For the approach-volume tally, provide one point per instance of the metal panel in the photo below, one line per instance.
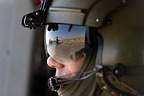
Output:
(15, 48)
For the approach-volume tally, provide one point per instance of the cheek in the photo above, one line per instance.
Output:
(63, 73)
(75, 67)
(68, 71)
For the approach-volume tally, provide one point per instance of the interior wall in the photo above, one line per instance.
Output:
(15, 48)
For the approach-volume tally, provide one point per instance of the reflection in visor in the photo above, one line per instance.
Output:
(66, 45)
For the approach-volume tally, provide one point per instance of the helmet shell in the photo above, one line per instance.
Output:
(124, 43)
(82, 12)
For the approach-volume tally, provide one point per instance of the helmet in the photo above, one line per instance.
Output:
(72, 21)
(123, 48)
(118, 29)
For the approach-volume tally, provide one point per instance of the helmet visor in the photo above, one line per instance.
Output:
(65, 45)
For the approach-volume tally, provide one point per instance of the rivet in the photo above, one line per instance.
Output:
(37, 13)
(97, 20)
(116, 71)
(30, 19)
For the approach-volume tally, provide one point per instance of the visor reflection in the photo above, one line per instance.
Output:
(64, 43)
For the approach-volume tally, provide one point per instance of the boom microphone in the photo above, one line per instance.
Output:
(54, 83)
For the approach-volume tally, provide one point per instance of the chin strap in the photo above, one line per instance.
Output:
(37, 18)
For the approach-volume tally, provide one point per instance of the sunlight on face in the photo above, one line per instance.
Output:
(64, 69)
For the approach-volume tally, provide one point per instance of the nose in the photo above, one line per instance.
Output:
(54, 64)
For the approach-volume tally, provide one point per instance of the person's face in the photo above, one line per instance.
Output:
(65, 47)
(64, 69)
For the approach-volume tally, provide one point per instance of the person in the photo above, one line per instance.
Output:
(96, 47)
(71, 60)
